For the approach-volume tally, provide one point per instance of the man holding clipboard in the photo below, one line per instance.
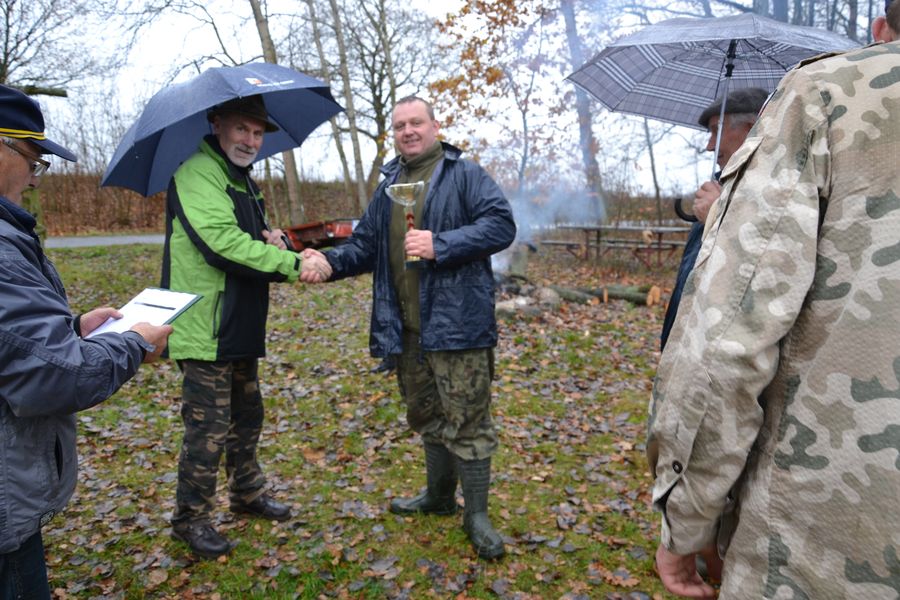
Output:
(48, 370)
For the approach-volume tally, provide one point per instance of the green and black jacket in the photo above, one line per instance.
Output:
(214, 247)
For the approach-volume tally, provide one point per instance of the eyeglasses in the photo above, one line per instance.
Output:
(38, 165)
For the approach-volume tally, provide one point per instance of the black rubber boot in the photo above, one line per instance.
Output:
(475, 476)
(439, 498)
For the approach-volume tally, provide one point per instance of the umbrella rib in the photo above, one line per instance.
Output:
(768, 55)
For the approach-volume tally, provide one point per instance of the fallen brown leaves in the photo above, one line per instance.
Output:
(569, 492)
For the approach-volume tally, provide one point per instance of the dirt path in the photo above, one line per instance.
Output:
(102, 240)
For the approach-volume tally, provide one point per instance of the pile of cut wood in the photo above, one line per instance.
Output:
(521, 296)
(531, 300)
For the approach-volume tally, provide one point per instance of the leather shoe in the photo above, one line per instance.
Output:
(203, 539)
(264, 506)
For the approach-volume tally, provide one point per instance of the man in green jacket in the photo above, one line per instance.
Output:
(217, 245)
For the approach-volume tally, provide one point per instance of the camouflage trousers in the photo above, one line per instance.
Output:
(222, 410)
(448, 397)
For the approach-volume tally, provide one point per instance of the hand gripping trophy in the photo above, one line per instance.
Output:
(407, 195)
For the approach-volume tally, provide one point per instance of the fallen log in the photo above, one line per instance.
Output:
(600, 292)
(644, 295)
(653, 292)
(633, 296)
(573, 295)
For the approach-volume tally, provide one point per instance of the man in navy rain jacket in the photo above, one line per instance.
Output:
(438, 317)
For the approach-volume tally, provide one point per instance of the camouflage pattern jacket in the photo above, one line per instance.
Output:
(779, 386)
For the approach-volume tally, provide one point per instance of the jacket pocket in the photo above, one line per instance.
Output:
(732, 173)
(30, 469)
(58, 457)
(217, 315)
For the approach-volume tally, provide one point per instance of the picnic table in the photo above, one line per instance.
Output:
(643, 241)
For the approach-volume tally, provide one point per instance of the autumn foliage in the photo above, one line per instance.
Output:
(76, 204)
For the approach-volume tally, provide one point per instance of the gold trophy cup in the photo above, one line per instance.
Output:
(407, 195)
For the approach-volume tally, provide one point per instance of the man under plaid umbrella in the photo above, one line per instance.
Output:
(741, 109)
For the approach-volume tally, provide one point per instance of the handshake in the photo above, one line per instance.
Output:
(315, 267)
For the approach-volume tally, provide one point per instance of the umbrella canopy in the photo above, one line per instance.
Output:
(674, 69)
(174, 121)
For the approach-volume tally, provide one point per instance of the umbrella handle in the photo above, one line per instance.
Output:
(729, 68)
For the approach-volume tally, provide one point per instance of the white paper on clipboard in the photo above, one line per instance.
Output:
(153, 305)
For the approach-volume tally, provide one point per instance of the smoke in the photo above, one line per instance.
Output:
(539, 212)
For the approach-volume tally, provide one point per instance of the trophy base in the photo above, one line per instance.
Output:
(413, 264)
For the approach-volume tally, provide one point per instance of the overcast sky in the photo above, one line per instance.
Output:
(174, 40)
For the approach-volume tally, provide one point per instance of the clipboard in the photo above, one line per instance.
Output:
(156, 306)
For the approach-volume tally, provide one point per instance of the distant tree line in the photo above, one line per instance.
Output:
(495, 70)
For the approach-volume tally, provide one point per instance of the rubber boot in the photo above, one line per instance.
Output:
(475, 476)
(439, 498)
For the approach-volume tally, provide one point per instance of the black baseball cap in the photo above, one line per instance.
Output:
(21, 118)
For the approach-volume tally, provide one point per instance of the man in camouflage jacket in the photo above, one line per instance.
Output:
(775, 420)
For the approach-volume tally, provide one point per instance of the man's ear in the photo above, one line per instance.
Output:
(880, 30)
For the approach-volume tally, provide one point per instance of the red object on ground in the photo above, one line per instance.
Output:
(318, 234)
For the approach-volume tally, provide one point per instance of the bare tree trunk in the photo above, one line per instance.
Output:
(582, 106)
(852, 16)
(271, 205)
(522, 98)
(870, 15)
(797, 17)
(379, 24)
(653, 173)
(362, 197)
(780, 10)
(761, 7)
(326, 75)
(296, 211)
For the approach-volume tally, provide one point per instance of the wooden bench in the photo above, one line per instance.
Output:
(641, 249)
(639, 246)
(573, 247)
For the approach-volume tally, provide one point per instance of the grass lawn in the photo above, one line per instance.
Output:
(570, 492)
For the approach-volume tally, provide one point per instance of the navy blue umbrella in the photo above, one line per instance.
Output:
(174, 121)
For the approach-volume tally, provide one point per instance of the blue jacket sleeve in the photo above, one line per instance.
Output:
(490, 225)
(45, 368)
(358, 254)
(688, 258)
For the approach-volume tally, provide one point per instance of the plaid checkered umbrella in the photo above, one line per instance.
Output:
(674, 69)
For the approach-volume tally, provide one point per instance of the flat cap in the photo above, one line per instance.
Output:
(743, 100)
